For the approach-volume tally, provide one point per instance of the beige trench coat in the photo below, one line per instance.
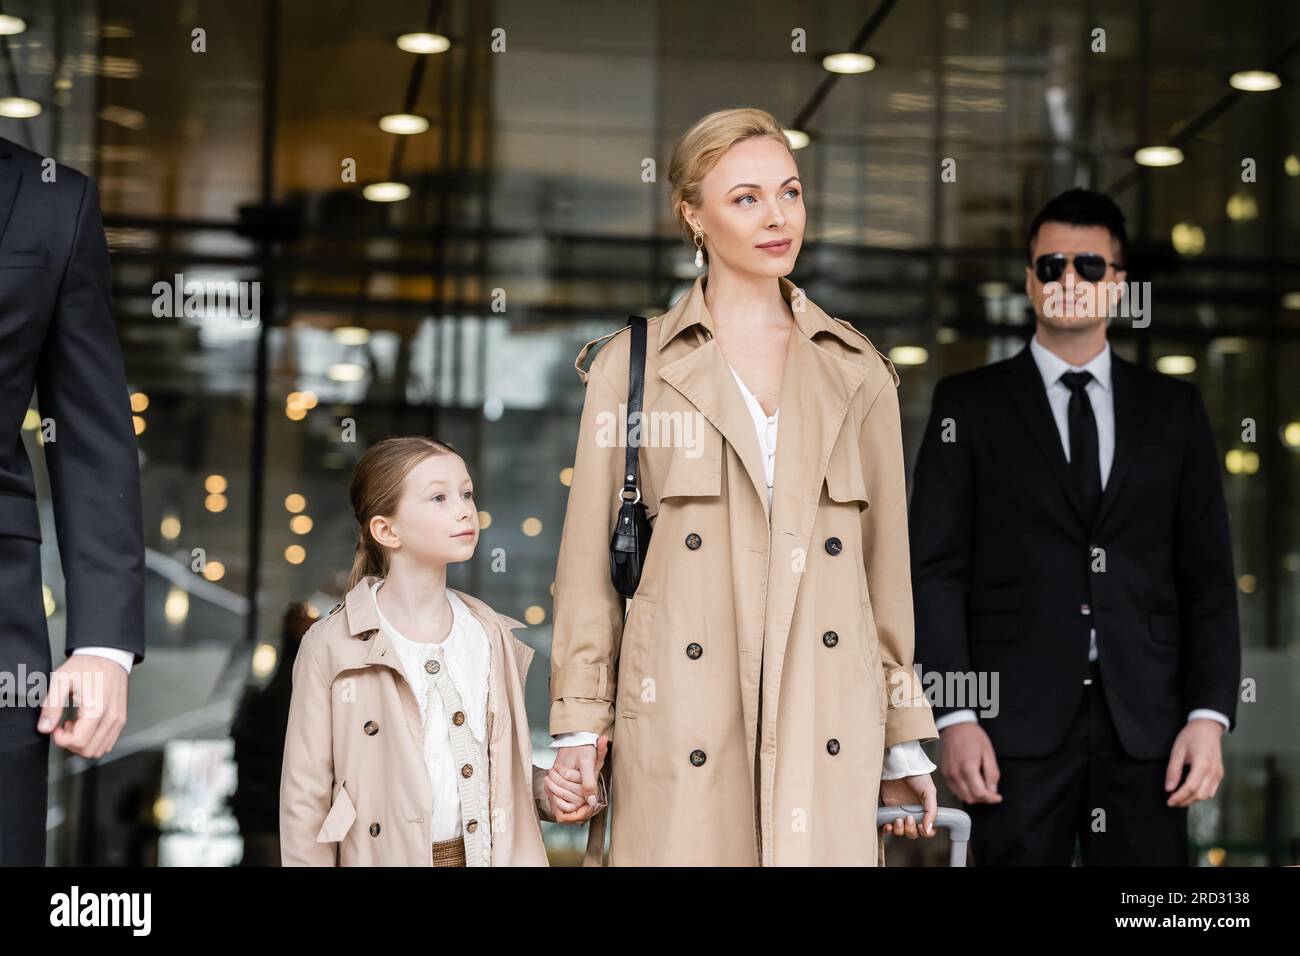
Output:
(353, 798)
(763, 667)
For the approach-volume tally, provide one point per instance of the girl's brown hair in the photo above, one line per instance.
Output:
(700, 148)
(377, 489)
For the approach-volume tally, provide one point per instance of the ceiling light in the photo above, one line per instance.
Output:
(1158, 156)
(1254, 81)
(386, 192)
(848, 63)
(403, 124)
(19, 107)
(423, 42)
(797, 139)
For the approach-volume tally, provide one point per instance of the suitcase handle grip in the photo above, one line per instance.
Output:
(956, 821)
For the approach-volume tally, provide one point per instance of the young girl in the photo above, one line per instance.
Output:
(408, 742)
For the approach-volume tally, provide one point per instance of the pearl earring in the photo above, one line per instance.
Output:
(699, 249)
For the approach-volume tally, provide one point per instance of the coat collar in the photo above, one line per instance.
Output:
(817, 387)
(363, 617)
(691, 310)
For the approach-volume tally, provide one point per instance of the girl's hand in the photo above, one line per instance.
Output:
(918, 789)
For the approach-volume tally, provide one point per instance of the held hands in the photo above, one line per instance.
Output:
(918, 789)
(571, 782)
(98, 688)
(1199, 744)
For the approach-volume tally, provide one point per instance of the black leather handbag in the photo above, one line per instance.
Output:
(631, 541)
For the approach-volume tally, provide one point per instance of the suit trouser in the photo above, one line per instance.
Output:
(1089, 789)
(24, 751)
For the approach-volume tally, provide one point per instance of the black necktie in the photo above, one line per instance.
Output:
(1085, 460)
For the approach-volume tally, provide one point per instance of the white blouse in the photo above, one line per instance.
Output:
(467, 657)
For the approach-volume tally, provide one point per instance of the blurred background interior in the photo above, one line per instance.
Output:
(508, 214)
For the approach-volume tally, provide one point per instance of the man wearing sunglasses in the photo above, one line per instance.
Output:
(1069, 535)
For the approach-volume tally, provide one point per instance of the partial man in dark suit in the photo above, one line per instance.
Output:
(57, 336)
(1070, 555)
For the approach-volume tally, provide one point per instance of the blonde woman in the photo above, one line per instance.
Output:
(759, 695)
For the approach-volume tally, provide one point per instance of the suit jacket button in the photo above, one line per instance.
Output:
(697, 758)
(374, 829)
(467, 770)
(471, 826)
(834, 546)
(830, 638)
(458, 718)
(371, 728)
(431, 666)
(832, 746)
(693, 541)
(693, 651)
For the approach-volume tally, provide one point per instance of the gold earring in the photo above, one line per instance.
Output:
(699, 249)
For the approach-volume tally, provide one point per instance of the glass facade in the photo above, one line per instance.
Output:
(232, 141)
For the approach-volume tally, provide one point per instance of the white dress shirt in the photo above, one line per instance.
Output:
(905, 759)
(1051, 367)
(467, 657)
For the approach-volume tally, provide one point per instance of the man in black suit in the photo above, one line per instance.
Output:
(1070, 551)
(57, 335)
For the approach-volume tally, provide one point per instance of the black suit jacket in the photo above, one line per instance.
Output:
(1003, 562)
(57, 334)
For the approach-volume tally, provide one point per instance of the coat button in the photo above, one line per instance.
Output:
(830, 638)
(458, 718)
(471, 826)
(693, 541)
(371, 728)
(431, 666)
(834, 546)
(698, 758)
(832, 746)
(467, 770)
(374, 829)
(693, 651)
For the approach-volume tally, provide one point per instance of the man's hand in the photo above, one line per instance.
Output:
(968, 763)
(917, 789)
(1200, 744)
(571, 782)
(98, 688)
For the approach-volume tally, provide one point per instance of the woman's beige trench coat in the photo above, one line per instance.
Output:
(762, 667)
(354, 790)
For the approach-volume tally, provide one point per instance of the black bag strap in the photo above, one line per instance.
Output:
(635, 393)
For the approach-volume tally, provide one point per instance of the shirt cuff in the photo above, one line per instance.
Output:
(579, 738)
(963, 716)
(114, 654)
(905, 760)
(1212, 715)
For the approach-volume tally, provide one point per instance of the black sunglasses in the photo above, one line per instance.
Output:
(1089, 266)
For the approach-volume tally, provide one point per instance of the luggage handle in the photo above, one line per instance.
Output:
(957, 822)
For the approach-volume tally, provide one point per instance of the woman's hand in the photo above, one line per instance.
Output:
(565, 786)
(918, 789)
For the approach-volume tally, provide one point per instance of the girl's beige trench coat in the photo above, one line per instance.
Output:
(762, 667)
(354, 790)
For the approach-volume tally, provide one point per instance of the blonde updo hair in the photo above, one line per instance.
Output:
(377, 489)
(700, 148)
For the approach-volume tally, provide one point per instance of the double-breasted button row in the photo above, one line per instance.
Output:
(371, 727)
(693, 541)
